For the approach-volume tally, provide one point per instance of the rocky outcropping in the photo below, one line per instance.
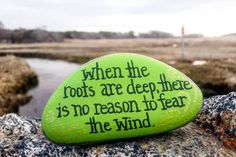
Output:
(15, 78)
(218, 116)
(22, 136)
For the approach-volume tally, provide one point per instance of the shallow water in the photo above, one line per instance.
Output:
(50, 74)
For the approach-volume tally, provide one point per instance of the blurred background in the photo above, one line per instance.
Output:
(42, 42)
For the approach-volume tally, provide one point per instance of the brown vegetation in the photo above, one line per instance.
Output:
(217, 76)
(15, 78)
(164, 49)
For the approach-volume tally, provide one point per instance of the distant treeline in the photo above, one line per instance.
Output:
(115, 35)
(29, 36)
(39, 35)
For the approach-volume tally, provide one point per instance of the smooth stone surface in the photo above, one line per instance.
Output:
(120, 96)
(22, 136)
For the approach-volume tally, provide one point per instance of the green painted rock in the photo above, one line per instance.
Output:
(120, 96)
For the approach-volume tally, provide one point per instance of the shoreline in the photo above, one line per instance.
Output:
(219, 74)
(215, 77)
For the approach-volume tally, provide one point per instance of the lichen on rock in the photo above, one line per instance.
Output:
(218, 116)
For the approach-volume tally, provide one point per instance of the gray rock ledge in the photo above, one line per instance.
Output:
(22, 136)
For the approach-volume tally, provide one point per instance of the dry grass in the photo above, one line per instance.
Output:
(216, 77)
(164, 49)
(15, 78)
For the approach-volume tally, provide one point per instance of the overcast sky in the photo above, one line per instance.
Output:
(209, 17)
